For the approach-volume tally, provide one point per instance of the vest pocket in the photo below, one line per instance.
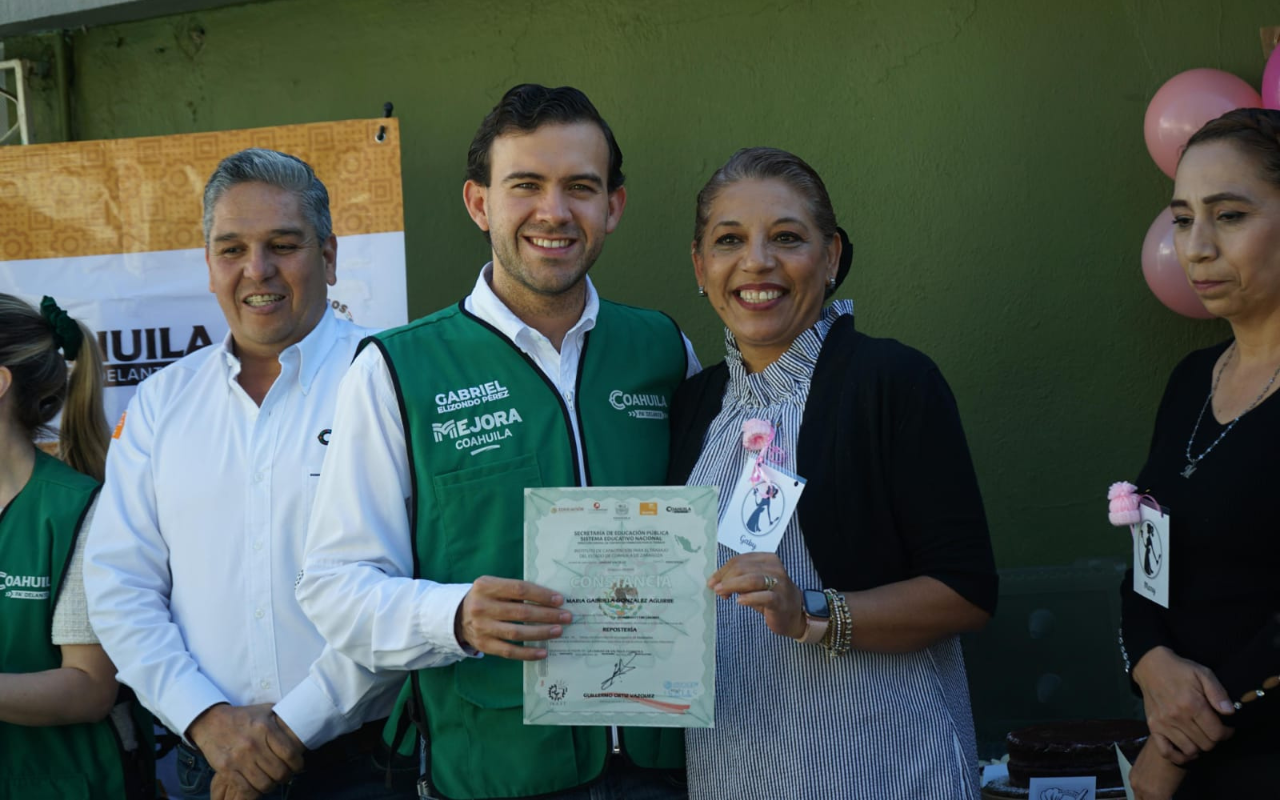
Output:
(481, 514)
(490, 682)
(481, 521)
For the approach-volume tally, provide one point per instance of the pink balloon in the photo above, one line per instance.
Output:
(1271, 81)
(1185, 103)
(1163, 272)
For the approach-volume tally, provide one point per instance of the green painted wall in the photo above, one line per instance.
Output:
(987, 157)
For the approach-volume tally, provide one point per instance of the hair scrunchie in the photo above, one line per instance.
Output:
(66, 333)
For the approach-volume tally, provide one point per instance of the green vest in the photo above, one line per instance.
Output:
(38, 533)
(481, 424)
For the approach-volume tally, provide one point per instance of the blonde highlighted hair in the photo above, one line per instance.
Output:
(41, 386)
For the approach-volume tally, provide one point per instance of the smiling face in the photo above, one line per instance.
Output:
(1227, 230)
(765, 266)
(547, 210)
(267, 268)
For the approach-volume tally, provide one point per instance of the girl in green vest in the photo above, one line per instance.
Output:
(57, 686)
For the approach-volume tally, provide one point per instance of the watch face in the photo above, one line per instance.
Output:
(815, 604)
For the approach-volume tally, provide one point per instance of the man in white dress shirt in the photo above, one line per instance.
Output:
(450, 417)
(198, 538)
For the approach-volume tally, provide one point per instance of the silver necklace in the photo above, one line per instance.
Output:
(1192, 463)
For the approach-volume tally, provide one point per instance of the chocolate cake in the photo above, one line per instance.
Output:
(1083, 747)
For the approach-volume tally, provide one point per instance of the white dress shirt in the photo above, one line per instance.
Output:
(198, 540)
(358, 584)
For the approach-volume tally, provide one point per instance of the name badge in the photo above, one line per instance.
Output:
(1151, 554)
(757, 514)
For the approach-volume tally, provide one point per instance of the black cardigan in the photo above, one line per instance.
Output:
(891, 492)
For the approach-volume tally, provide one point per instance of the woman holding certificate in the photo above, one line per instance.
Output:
(853, 544)
(1207, 658)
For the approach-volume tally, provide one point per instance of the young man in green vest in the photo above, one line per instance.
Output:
(414, 556)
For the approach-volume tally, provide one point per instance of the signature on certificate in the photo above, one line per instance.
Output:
(620, 667)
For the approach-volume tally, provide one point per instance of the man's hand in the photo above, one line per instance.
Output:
(1154, 777)
(500, 611)
(292, 746)
(221, 788)
(250, 750)
(1183, 700)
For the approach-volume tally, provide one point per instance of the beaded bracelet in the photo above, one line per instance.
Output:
(1254, 694)
(839, 638)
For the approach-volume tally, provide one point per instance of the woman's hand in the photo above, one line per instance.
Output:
(1183, 700)
(748, 577)
(1154, 777)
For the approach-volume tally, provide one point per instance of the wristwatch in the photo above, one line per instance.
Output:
(817, 615)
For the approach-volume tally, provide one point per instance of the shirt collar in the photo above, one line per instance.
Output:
(787, 378)
(300, 360)
(486, 305)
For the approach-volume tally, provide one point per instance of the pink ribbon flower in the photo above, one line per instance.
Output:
(1123, 510)
(757, 434)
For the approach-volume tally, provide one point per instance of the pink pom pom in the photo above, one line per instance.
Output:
(757, 434)
(1120, 488)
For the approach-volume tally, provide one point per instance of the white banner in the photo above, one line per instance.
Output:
(150, 309)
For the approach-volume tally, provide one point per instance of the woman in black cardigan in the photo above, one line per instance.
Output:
(838, 669)
(1208, 665)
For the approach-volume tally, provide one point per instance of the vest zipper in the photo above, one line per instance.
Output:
(581, 443)
(577, 444)
(580, 447)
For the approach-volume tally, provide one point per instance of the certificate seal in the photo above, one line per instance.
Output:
(557, 692)
(623, 601)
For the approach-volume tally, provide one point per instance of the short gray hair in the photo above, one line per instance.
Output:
(273, 168)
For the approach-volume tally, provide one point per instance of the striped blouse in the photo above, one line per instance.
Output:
(791, 722)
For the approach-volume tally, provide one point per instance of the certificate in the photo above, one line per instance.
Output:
(632, 564)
